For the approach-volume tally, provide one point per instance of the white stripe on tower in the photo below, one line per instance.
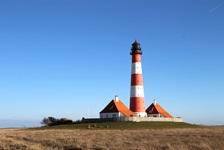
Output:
(137, 104)
(136, 68)
(137, 91)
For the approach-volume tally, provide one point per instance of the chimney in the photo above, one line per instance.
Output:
(154, 102)
(116, 98)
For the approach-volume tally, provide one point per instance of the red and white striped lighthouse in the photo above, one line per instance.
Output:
(137, 103)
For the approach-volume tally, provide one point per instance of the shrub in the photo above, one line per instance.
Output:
(51, 121)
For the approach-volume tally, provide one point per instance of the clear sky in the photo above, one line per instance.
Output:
(69, 58)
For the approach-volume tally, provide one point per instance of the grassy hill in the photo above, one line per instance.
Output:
(125, 125)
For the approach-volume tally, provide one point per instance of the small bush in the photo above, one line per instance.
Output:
(51, 121)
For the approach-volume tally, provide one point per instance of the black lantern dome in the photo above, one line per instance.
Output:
(136, 49)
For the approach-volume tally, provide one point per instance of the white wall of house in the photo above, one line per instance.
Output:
(111, 115)
(148, 119)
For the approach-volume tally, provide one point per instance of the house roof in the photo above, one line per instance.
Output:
(118, 106)
(155, 108)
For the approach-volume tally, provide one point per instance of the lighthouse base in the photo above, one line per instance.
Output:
(140, 114)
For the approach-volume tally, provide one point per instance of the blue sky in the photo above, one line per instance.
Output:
(69, 58)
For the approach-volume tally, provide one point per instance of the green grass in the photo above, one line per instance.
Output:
(125, 125)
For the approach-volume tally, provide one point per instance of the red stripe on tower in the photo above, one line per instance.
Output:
(137, 103)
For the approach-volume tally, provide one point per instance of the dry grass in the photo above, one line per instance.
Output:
(211, 138)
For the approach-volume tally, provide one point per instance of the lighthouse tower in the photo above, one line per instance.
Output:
(137, 103)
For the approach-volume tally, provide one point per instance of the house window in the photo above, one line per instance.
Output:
(106, 116)
(114, 115)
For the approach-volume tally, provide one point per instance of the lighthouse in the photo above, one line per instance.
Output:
(137, 102)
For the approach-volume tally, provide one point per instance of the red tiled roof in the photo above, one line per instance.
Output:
(157, 109)
(118, 106)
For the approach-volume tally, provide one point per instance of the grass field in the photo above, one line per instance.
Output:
(113, 136)
(125, 125)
